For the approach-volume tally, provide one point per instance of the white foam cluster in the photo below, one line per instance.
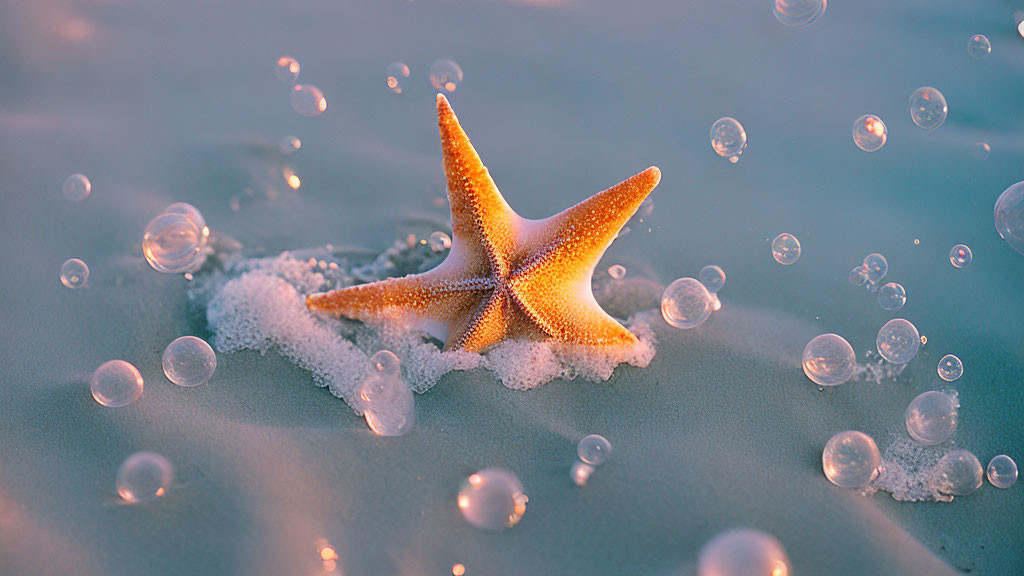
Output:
(907, 469)
(259, 304)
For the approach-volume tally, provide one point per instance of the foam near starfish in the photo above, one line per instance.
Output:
(258, 304)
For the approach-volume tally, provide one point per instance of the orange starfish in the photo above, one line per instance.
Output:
(505, 277)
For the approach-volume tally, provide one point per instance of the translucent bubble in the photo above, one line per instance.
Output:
(116, 383)
(898, 341)
(728, 138)
(439, 241)
(869, 133)
(960, 256)
(712, 277)
(950, 368)
(77, 187)
(829, 360)
(74, 273)
(594, 449)
(580, 472)
(289, 144)
(1009, 215)
(144, 476)
(979, 46)
(786, 249)
(931, 418)
(193, 214)
(445, 75)
(743, 552)
(1020, 28)
(396, 73)
(798, 12)
(388, 405)
(850, 459)
(287, 69)
(858, 276)
(686, 303)
(617, 271)
(928, 107)
(308, 100)
(892, 297)
(876, 267)
(386, 362)
(172, 243)
(189, 361)
(1002, 471)
(958, 473)
(981, 151)
(492, 499)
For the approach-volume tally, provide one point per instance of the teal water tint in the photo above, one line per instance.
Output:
(165, 102)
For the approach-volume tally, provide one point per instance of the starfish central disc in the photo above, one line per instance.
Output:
(506, 277)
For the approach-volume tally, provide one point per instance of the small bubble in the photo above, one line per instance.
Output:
(950, 368)
(289, 144)
(876, 268)
(388, 404)
(958, 473)
(308, 100)
(892, 297)
(287, 69)
(960, 256)
(712, 277)
(189, 361)
(458, 570)
(594, 449)
(928, 108)
(917, 241)
(144, 476)
(798, 12)
(858, 276)
(396, 73)
(617, 271)
(492, 499)
(829, 360)
(1002, 471)
(76, 188)
(786, 249)
(439, 242)
(850, 459)
(116, 383)
(386, 362)
(931, 418)
(445, 75)
(686, 303)
(979, 46)
(898, 341)
(172, 243)
(869, 133)
(981, 151)
(728, 138)
(74, 273)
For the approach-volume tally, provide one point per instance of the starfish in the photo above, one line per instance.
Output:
(506, 277)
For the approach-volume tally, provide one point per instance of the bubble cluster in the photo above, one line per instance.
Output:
(928, 108)
(892, 296)
(979, 46)
(172, 243)
(492, 499)
(308, 100)
(950, 368)
(594, 449)
(439, 241)
(1002, 471)
(869, 133)
(743, 552)
(287, 69)
(74, 273)
(144, 476)
(786, 249)
(1009, 216)
(957, 474)
(960, 256)
(931, 418)
(289, 144)
(686, 303)
(850, 459)
(898, 341)
(396, 73)
(76, 187)
(728, 138)
(798, 12)
(712, 277)
(981, 151)
(116, 383)
(445, 75)
(829, 360)
(189, 361)
(387, 402)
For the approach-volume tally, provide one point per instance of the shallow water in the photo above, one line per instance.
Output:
(158, 103)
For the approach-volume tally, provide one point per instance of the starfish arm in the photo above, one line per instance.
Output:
(483, 224)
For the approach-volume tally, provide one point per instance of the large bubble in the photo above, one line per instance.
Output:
(1009, 215)
(686, 303)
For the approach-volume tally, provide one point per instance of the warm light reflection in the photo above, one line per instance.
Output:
(458, 570)
(294, 182)
(874, 127)
(475, 479)
(449, 86)
(463, 499)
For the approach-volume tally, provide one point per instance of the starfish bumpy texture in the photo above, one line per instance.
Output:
(506, 277)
